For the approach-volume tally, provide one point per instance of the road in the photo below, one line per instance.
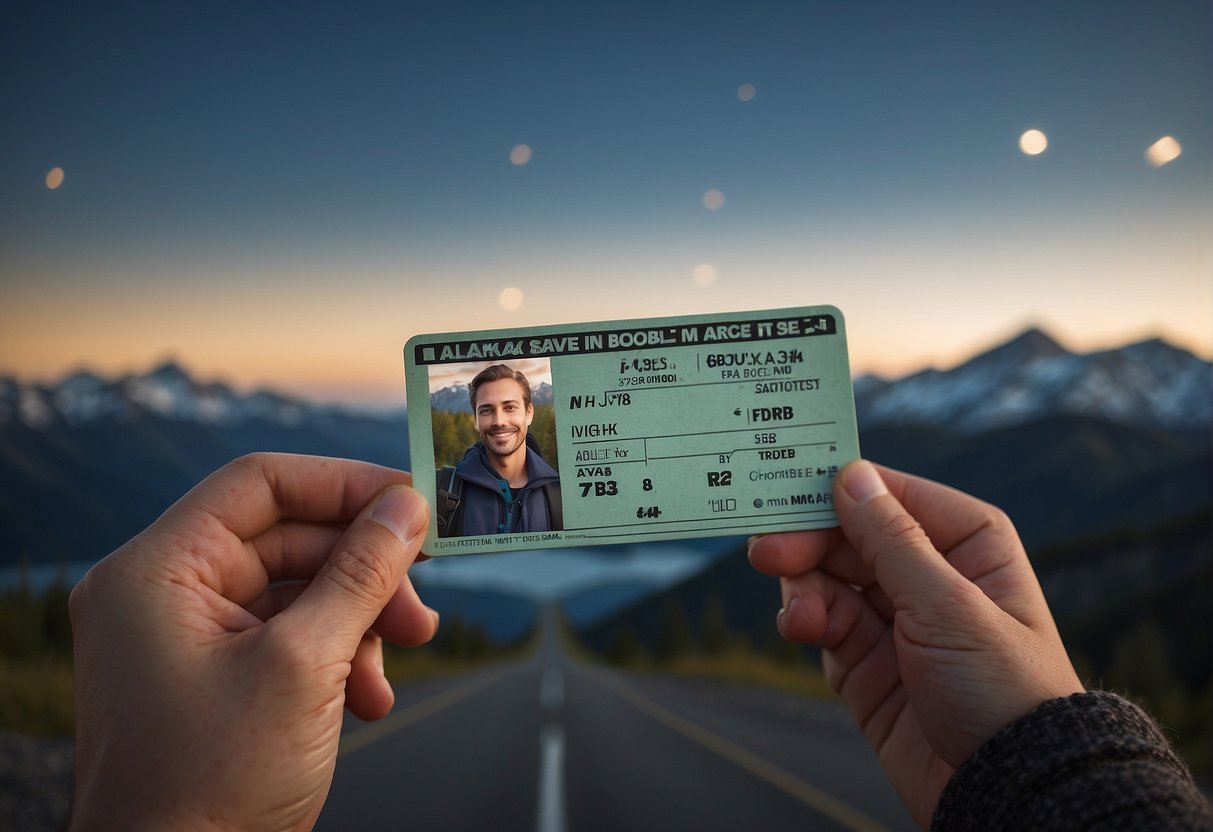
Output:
(555, 745)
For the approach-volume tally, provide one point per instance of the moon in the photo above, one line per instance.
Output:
(1033, 142)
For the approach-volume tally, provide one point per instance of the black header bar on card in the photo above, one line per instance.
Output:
(619, 340)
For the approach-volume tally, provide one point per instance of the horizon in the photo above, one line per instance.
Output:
(283, 198)
(202, 378)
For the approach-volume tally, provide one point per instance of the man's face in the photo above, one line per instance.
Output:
(501, 417)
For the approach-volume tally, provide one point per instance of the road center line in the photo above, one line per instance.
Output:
(551, 689)
(550, 817)
(780, 778)
(372, 732)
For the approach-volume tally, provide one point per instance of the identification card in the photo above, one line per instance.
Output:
(627, 431)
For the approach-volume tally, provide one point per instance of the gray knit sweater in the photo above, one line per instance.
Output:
(1088, 761)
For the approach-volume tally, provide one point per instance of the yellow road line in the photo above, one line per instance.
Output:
(362, 737)
(780, 778)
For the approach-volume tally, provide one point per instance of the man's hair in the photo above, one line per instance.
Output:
(496, 373)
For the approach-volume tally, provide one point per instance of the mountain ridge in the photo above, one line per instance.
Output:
(115, 452)
(112, 454)
(454, 399)
(1147, 384)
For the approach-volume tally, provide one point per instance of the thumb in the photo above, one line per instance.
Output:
(892, 543)
(363, 572)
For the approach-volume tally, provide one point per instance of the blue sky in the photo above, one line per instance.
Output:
(284, 193)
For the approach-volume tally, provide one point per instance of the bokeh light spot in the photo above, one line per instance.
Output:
(704, 275)
(746, 92)
(510, 298)
(713, 199)
(1033, 142)
(521, 154)
(54, 178)
(1164, 150)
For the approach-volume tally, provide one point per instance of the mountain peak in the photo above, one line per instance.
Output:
(1150, 384)
(168, 371)
(1033, 344)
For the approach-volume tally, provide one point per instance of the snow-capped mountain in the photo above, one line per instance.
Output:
(114, 453)
(1150, 384)
(168, 392)
(454, 399)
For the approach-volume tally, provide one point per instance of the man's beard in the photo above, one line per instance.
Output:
(504, 443)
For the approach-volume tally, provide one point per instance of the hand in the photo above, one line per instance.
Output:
(215, 650)
(933, 627)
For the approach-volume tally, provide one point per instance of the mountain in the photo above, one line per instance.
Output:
(503, 617)
(1150, 384)
(1069, 444)
(1100, 590)
(88, 462)
(167, 392)
(1061, 477)
(748, 600)
(454, 399)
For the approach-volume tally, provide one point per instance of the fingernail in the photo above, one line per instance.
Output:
(402, 511)
(749, 545)
(782, 614)
(434, 615)
(862, 482)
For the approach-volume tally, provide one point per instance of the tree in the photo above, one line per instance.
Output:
(543, 428)
(624, 649)
(453, 434)
(1141, 664)
(714, 633)
(675, 633)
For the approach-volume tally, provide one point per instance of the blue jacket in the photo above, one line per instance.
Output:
(486, 505)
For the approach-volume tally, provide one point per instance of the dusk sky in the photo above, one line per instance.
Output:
(283, 193)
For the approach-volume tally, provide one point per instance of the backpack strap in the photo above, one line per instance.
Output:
(450, 495)
(555, 506)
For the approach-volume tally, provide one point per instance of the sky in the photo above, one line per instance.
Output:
(283, 193)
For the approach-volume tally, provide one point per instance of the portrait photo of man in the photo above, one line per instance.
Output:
(503, 484)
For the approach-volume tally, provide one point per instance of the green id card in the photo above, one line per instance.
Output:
(626, 431)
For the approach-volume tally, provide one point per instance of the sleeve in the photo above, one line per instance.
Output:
(1088, 761)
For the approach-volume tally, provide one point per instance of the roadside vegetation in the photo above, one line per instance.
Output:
(456, 649)
(710, 651)
(1135, 657)
(36, 660)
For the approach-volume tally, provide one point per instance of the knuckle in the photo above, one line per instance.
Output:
(893, 534)
(995, 516)
(254, 461)
(902, 530)
(78, 601)
(363, 570)
(999, 527)
(1000, 521)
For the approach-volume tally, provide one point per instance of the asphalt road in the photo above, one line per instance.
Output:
(554, 745)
